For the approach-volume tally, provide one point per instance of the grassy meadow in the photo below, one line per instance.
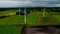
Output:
(13, 19)
(8, 25)
(11, 29)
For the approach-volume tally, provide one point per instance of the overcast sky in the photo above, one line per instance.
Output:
(29, 3)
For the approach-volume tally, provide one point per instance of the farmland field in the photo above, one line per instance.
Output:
(13, 24)
(32, 18)
(13, 19)
(11, 29)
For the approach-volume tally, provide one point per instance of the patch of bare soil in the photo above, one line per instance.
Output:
(41, 30)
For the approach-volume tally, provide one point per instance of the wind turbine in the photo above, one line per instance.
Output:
(44, 12)
(19, 11)
(25, 15)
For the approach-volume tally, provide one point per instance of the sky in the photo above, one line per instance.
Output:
(29, 3)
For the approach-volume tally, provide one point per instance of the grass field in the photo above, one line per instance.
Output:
(56, 15)
(13, 19)
(32, 18)
(9, 23)
(7, 12)
(12, 29)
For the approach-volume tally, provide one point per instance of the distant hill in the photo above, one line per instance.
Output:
(3, 9)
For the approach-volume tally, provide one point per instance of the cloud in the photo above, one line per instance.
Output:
(29, 3)
(13, 3)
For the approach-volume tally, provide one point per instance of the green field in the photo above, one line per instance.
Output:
(7, 12)
(33, 17)
(12, 29)
(13, 19)
(9, 24)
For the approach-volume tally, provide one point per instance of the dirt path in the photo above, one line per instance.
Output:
(40, 30)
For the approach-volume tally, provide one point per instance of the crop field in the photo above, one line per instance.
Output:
(33, 17)
(12, 29)
(13, 19)
(10, 23)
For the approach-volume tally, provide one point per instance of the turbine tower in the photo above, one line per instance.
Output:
(44, 12)
(19, 11)
(25, 15)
